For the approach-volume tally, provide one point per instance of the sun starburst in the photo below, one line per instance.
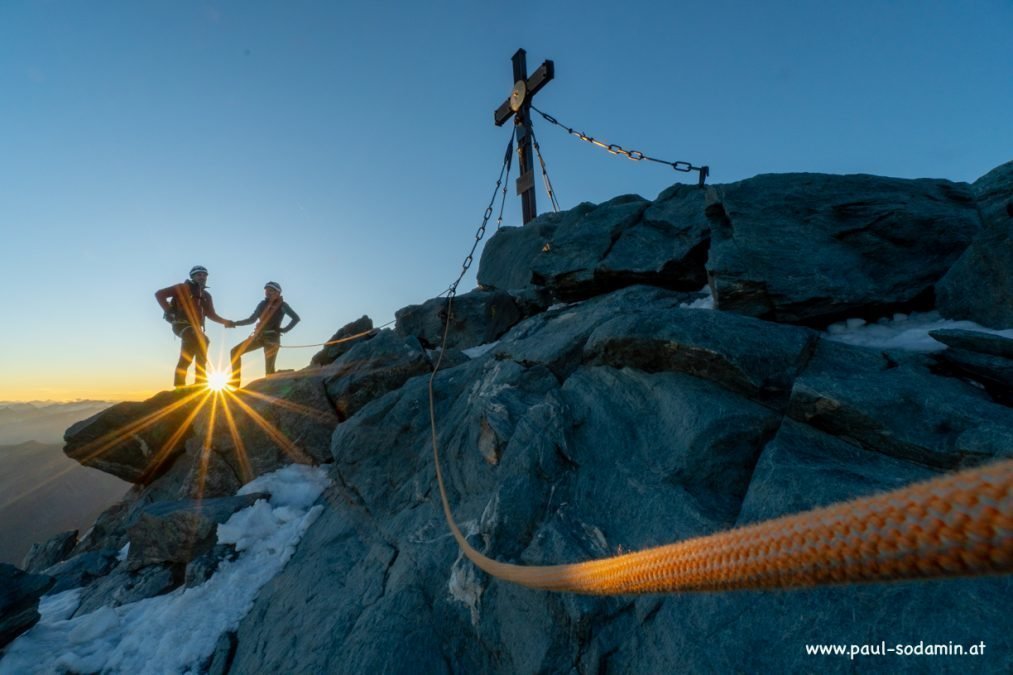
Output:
(218, 380)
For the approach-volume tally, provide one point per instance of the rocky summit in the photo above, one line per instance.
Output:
(628, 374)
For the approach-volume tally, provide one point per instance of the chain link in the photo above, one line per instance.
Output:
(545, 172)
(504, 174)
(616, 149)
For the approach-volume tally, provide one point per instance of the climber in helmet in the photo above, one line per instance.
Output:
(185, 306)
(267, 333)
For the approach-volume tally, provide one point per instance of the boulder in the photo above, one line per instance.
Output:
(48, 553)
(754, 358)
(371, 369)
(342, 341)
(556, 338)
(547, 466)
(82, 569)
(667, 247)
(814, 248)
(979, 286)
(109, 531)
(218, 469)
(282, 419)
(479, 317)
(201, 568)
(593, 249)
(136, 441)
(123, 586)
(982, 357)
(178, 532)
(891, 403)
(568, 265)
(804, 468)
(975, 341)
(19, 601)
(509, 255)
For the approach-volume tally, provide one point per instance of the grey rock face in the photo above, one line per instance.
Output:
(286, 418)
(123, 586)
(82, 569)
(979, 286)
(803, 468)
(509, 254)
(109, 530)
(556, 338)
(178, 532)
(814, 248)
(592, 249)
(331, 352)
(201, 568)
(976, 341)
(618, 423)
(614, 423)
(48, 553)
(135, 441)
(478, 317)
(220, 662)
(189, 437)
(755, 358)
(19, 601)
(568, 265)
(982, 357)
(667, 247)
(371, 369)
(892, 404)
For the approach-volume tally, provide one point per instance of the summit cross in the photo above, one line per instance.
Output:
(518, 106)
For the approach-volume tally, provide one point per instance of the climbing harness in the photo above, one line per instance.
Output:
(635, 155)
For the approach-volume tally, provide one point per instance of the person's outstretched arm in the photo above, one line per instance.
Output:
(212, 314)
(253, 317)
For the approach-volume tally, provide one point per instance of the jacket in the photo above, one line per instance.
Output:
(269, 315)
(187, 303)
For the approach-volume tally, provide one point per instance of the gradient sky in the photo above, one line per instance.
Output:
(347, 150)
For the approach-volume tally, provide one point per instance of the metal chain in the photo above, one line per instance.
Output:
(616, 149)
(480, 233)
(545, 171)
(506, 180)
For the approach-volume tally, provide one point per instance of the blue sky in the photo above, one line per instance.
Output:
(348, 151)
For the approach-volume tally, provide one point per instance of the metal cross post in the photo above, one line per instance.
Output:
(518, 106)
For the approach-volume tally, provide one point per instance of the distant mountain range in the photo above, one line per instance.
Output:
(43, 421)
(42, 491)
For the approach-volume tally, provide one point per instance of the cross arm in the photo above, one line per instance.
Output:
(533, 85)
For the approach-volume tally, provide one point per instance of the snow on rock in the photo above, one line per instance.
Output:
(177, 632)
(902, 331)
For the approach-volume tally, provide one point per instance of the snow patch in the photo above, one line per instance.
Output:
(177, 632)
(706, 302)
(902, 331)
(475, 352)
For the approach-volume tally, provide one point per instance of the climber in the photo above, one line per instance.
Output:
(185, 306)
(267, 333)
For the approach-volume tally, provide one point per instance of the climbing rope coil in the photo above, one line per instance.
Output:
(956, 525)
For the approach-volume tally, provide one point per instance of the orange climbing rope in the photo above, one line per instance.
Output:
(349, 338)
(957, 525)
